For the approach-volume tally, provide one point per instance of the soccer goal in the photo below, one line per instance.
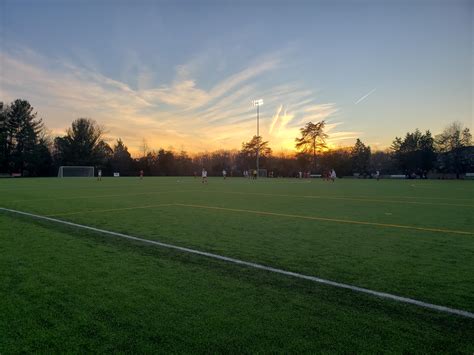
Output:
(76, 171)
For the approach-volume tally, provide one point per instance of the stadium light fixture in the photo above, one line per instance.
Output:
(258, 103)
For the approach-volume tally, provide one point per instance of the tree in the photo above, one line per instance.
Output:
(165, 160)
(184, 164)
(453, 145)
(144, 148)
(453, 137)
(121, 161)
(3, 138)
(303, 161)
(83, 145)
(312, 140)
(221, 159)
(337, 159)
(42, 164)
(383, 161)
(360, 157)
(284, 164)
(415, 153)
(147, 163)
(22, 132)
(248, 154)
(427, 152)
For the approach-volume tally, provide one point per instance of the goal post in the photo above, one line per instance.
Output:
(262, 173)
(76, 171)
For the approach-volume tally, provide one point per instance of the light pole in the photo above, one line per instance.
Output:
(258, 103)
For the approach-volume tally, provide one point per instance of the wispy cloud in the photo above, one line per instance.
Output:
(185, 94)
(180, 113)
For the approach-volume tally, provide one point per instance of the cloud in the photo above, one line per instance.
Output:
(180, 113)
(243, 76)
(338, 136)
(185, 94)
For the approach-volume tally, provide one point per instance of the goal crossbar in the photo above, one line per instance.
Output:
(75, 171)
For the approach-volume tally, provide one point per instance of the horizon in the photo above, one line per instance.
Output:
(184, 74)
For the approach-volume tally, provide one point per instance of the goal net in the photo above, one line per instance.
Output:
(76, 171)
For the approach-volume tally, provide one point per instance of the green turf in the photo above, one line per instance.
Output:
(66, 289)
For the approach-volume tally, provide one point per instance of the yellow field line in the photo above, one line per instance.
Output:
(343, 198)
(110, 210)
(426, 198)
(327, 219)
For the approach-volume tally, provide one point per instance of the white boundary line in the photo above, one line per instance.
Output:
(258, 266)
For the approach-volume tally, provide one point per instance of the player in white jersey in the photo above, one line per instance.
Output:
(99, 175)
(224, 174)
(333, 175)
(204, 176)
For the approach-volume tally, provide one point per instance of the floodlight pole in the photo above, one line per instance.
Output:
(258, 137)
(258, 103)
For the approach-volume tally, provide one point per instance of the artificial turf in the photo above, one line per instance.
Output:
(64, 289)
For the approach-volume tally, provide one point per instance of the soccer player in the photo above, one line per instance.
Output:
(377, 175)
(99, 175)
(224, 174)
(333, 175)
(204, 176)
(141, 174)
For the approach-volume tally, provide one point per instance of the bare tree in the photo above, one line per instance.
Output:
(144, 148)
(453, 147)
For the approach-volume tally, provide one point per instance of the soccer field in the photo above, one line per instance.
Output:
(63, 288)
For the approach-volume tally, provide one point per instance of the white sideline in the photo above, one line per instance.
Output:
(258, 266)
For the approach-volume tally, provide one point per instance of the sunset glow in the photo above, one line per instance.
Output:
(194, 92)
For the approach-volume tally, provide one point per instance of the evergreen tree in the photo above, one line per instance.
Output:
(165, 160)
(83, 144)
(360, 156)
(121, 161)
(23, 131)
(415, 153)
(4, 156)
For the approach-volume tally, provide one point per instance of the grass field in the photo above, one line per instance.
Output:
(66, 289)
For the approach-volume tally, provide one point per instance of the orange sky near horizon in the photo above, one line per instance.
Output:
(183, 83)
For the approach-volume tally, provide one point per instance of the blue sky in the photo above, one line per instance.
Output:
(182, 74)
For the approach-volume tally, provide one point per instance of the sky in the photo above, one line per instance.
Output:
(183, 74)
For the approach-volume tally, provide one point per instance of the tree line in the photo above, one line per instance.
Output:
(27, 149)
